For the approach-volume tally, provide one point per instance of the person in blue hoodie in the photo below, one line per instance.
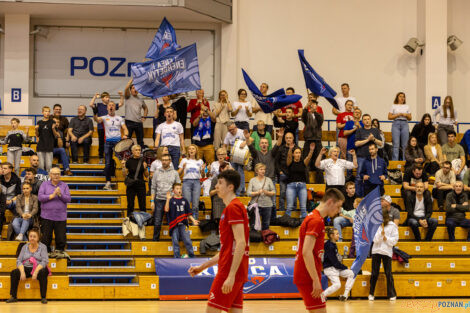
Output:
(374, 171)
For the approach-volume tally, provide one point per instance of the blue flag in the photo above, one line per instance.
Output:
(315, 82)
(366, 222)
(164, 41)
(174, 73)
(271, 102)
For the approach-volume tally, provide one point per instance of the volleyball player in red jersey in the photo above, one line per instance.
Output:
(226, 293)
(308, 261)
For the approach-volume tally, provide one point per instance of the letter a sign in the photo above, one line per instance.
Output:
(436, 102)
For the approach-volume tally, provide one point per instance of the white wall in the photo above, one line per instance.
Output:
(459, 60)
(357, 41)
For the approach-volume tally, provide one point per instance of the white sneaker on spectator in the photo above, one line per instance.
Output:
(19, 237)
(107, 186)
(371, 298)
(393, 298)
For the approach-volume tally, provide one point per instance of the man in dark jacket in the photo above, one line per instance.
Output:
(312, 133)
(456, 206)
(374, 171)
(10, 186)
(419, 211)
(280, 151)
(31, 178)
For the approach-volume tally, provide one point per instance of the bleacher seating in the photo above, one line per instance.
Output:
(106, 265)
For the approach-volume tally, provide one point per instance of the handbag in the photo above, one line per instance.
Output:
(254, 203)
(131, 181)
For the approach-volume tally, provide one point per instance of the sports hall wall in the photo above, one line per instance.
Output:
(358, 41)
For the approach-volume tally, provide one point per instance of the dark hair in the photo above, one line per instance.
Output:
(36, 230)
(231, 177)
(396, 97)
(169, 108)
(10, 166)
(345, 84)
(26, 183)
(347, 101)
(57, 105)
(223, 166)
(176, 185)
(349, 183)
(330, 232)
(378, 123)
(373, 144)
(409, 148)
(448, 163)
(452, 132)
(290, 109)
(364, 115)
(290, 88)
(386, 216)
(240, 91)
(267, 86)
(15, 119)
(31, 169)
(333, 193)
(104, 94)
(416, 166)
(424, 116)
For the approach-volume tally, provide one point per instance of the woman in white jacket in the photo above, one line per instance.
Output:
(382, 251)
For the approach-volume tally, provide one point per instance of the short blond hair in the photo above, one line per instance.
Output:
(258, 166)
(46, 108)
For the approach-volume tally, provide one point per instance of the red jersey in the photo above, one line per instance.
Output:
(342, 118)
(313, 225)
(295, 107)
(195, 109)
(234, 213)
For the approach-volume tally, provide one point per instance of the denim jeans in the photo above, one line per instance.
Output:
(180, 233)
(138, 127)
(359, 182)
(294, 191)
(175, 154)
(414, 224)
(241, 171)
(451, 223)
(64, 159)
(20, 225)
(192, 193)
(400, 135)
(158, 218)
(339, 223)
(282, 192)
(108, 158)
(265, 214)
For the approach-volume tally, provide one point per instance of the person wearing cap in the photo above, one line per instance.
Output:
(394, 213)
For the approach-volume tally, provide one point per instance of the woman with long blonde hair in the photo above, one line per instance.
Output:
(191, 167)
(433, 154)
(221, 109)
(447, 119)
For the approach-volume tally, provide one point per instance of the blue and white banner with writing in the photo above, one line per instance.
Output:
(366, 222)
(174, 73)
(164, 41)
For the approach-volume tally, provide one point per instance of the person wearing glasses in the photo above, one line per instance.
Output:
(242, 111)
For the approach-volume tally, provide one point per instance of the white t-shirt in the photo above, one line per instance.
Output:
(230, 139)
(400, 108)
(112, 127)
(434, 151)
(192, 169)
(334, 171)
(267, 118)
(341, 101)
(158, 164)
(419, 208)
(170, 133)
(241, 115)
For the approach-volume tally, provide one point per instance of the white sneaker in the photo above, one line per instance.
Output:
(371, 298)
(393, 298)
(107, 186)
(19, 237)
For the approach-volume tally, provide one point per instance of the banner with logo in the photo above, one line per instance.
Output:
(267, 278)
(174, 73)
(164, 41)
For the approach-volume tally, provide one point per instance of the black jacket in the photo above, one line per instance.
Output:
(458, 212)
(312, 129)
(12, 188)
(280, 153)
(331, 257)
(410, 203)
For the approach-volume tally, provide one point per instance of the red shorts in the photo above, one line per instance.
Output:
(223, 301)
(311, 303)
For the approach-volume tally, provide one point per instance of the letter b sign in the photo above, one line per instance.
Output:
(15, 94)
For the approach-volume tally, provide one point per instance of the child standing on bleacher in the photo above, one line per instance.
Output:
(178, 212)
(15, 139)
(46, 133)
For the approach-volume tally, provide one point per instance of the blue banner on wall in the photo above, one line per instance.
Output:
(267, 278)
(174, 73)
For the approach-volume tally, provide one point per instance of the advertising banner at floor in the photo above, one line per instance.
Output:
(267, 278)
